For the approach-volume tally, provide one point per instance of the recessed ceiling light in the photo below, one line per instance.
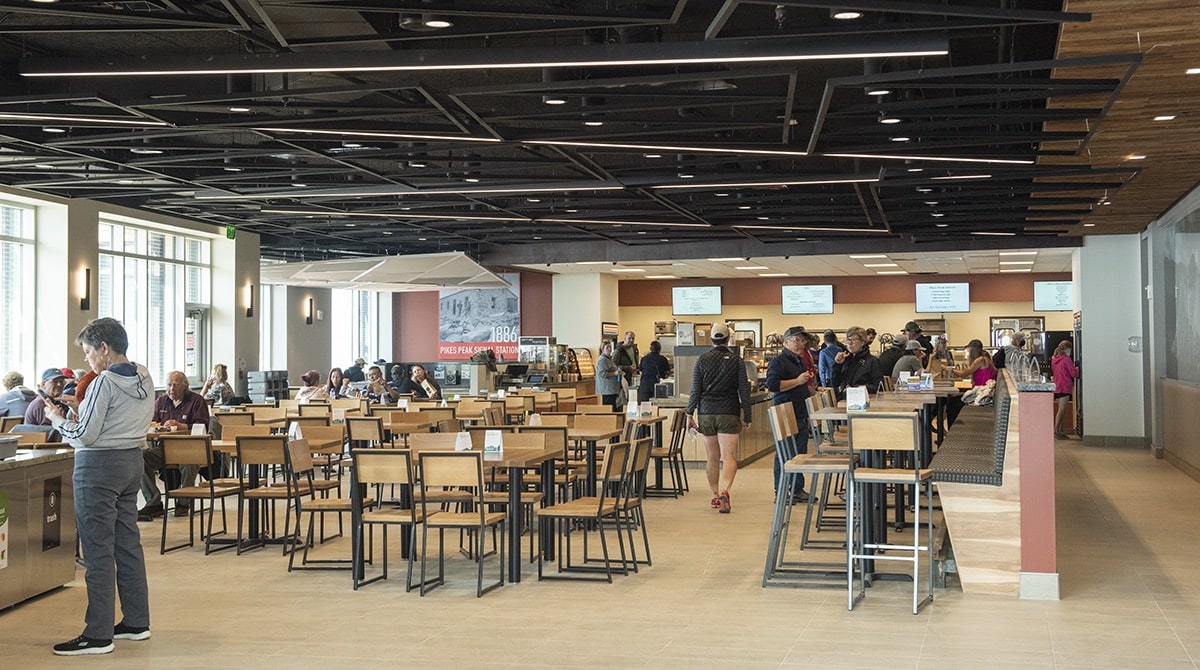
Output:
(721, 195)
(570, 211)
(297, 184)
(628, 270)
(53, 129)
(351, 225)
(1088, 225)
(992, 234)
(592, 263)
(861, 256)
(1193, 70)
(878, 91)
(387, 232)
(936, 215)
(1018, 270)
(763, 218)
(724, 260)
(889, 120)
(772, 274)
(1017, 253)
(943, 225)
(351, 145)
(901, 138)
(472, 180)
(845, 14)
(916, 169)
(1165, 117)
(931, 202)
(1137, 157)
(751, 267)
(233, 169)
(533, 200)
(881, 265)
(891, 272)
(743, 206)
(438, 22)
(422, 239)
(1016, 262)
(43, 166)
(924, 190)
(554, 100)
(661, 276)
(594, 124)
(239, 110)
(651, 155)
(145, 151)
(686, 175)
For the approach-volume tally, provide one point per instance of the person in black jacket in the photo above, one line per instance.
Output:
(856, 367)
(720, 393)
(788, 378)
(654, 367)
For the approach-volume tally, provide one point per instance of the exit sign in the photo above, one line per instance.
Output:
(230, 232)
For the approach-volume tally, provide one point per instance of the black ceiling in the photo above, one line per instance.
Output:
(334, 148)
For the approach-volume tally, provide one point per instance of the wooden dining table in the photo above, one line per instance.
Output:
(406, 428)
(589, 437)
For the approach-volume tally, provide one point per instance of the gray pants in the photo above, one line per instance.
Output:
(106, 490)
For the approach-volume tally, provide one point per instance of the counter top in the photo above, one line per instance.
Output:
(28, 457)
(1035, 386)
(681, 402)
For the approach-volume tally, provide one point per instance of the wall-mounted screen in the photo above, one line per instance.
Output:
(1053, 296)
(814, 299)
(695, 300)
(939, 298)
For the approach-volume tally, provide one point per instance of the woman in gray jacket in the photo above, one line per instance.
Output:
(108, 430)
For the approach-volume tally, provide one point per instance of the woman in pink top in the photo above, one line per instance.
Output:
(980, 367)
(1065, 374)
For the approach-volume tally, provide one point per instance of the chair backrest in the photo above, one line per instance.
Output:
(525, 440)
(449, 426)
(437, 413)
(479, 432)
(264, 414)
(897, 433)
(678, 430)
(7, 422)
(234, 432)
(290, 404)
(886, 383)
(307, 421)
(628, 431)
(517, 404)
(299, 457)
(452, 469)
(609, 421)
(187, 450)
(364, 429)
(315, 409)
(555, 436)
(323, 434)
(227, 419)
(470, 408)
(783, 421)
(418, 442)
(344, 403)
(33, 436)
(493, 416)
(561, 420)
(613, 469)
(262, 450)
(381, 466)
(594, 409)
(635, 468)
(251, 406)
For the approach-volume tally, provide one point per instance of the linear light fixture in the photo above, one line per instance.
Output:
(625, 223)
(250, 301)
(769, 50)
(308, 314)
(384, 191)
(379, 134)
(76, 120)
(398, 215)
(813, 228)
(85, 291)
(861, 256)
(950, 159)
(768, 184)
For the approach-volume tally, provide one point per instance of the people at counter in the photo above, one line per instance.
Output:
(419, 383)
(789, 378)
(720, 393)
(625, 355)
(608, 377)
(108, 435)
(855, 366)
(654, 368)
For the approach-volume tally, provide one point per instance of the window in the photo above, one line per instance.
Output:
(17, 274)
(360, 311)
(149, 277)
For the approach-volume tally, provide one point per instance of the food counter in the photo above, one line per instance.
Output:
(37, 523)
(754, 444)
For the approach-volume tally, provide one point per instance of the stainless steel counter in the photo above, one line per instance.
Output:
(37, 523)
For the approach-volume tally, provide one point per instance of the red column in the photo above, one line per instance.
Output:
(1036, 422)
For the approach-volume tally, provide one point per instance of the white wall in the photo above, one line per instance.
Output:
(581, 303)
(308, 345)
(1109, 281)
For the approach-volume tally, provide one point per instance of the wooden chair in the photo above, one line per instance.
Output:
(365, 431)
(378, 468)
(436, 414)
(493, 416)
(300, 464)
(565, 399)
(634, 492)
(315, 409)
(347, 404)
(7, 422)
(671, 456)
(225, 419)
(307, 421)
(264, 452)
(562, 420)
(874, 437)
(290, 404)
(517, 407)
(563, 518)
(565, 478)
(180, 450)
(449, 426)
(497, 483)
(461, 470)
(595, 409)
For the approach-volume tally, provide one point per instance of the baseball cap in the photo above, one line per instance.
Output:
(898, 340)
(912, 325)
(912, 344)
(380, 362)
(68, 373)
(51, 374)
(794, 331)
(360, 361)
(720, 333)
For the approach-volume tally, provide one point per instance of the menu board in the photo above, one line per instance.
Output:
(1053, 296)
(695, 300)
(812, 299)
(940, 298)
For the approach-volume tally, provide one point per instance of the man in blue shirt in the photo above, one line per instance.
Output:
(825, 358)
(790, 380)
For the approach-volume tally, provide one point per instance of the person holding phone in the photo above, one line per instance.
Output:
(107, 434)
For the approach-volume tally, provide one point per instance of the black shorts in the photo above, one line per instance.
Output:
(1061, 395)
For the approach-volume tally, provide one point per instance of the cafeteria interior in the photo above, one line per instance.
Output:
(1130, 598)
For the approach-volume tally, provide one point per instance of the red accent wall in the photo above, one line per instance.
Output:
(893, 289)
(415, 317)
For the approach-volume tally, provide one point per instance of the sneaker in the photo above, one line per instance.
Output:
(83, 645)
(149, 512)
(182, 510)
(724, 500)
(1060, 436)
(716, 502)
(123, 632)
(799, 498)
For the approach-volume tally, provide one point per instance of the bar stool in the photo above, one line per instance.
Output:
(873, 437)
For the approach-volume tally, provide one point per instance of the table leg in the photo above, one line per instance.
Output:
(549, 498)
(516, 519)
(589, 486)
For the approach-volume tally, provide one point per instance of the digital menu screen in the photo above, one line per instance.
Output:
(939, 298)
(812, 299)
(695, 300)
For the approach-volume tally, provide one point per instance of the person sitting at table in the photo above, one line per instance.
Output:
(338, 386)
(312, 389)
(53, 382)
(941, 358)
(912, 362)
(177, 410)
(419, 384)
(16, 398)
(377, 390)
(856, 366)
(216, 388)
(980, 368)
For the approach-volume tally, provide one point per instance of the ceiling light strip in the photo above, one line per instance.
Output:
(951, 159)
(379, 134)
(74, 120)
(623, 223)
(812, 228)
(768, 184)
(398, 215)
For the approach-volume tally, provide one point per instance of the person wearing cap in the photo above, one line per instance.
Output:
(355, 372)
(719, 407)
(789, 377)
(912, 331)
(53, 383)
(888, 357)
(941, 358)
(312, 389)
(912, 362)
(855, 366)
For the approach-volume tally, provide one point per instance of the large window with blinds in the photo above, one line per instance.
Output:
(356, 327)
(148, 279)
(16, 291)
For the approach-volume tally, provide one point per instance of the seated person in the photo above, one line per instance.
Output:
(312, 389)
(177, 410)
(912, 362)
(16, 398)
(216, 389)
(377, 390)
(53, 383)
(337, 386)
(419, 384)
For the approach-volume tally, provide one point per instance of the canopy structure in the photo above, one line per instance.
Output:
(417, 272)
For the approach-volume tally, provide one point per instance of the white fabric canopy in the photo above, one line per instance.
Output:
(417, 272)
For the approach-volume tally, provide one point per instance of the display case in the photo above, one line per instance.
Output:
(540, 353)
(585, 367)
(761, 356)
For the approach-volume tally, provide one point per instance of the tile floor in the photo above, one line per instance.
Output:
(1128, 542)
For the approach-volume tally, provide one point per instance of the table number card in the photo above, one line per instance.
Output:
(339, 416)
(857, 399)
(631, 410)
(402, 403)
(462, 441)
(646, 409)
(493, 443)
(199, 429)
(294, 432)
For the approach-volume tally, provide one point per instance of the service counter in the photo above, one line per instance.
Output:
(583, 387)
(754, 443)
(37, 542)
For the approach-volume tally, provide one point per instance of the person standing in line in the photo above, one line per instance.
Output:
(789, 377)
(855, 366)
(825, 359)
(108, 431)
(654, 367)
(1065, 374)
(625, 355)
(720, 393)
(608, 377)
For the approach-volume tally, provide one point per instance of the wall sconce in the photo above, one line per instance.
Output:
(308, 315)
(250, 301)
(85, 291)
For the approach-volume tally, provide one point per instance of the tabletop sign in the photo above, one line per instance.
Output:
(294, 432)
(493, 443)
(857, 399)
(199, 429)
(402, 403)
(339, 416)
(631, 409)
(646, 409)
(462, 441)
